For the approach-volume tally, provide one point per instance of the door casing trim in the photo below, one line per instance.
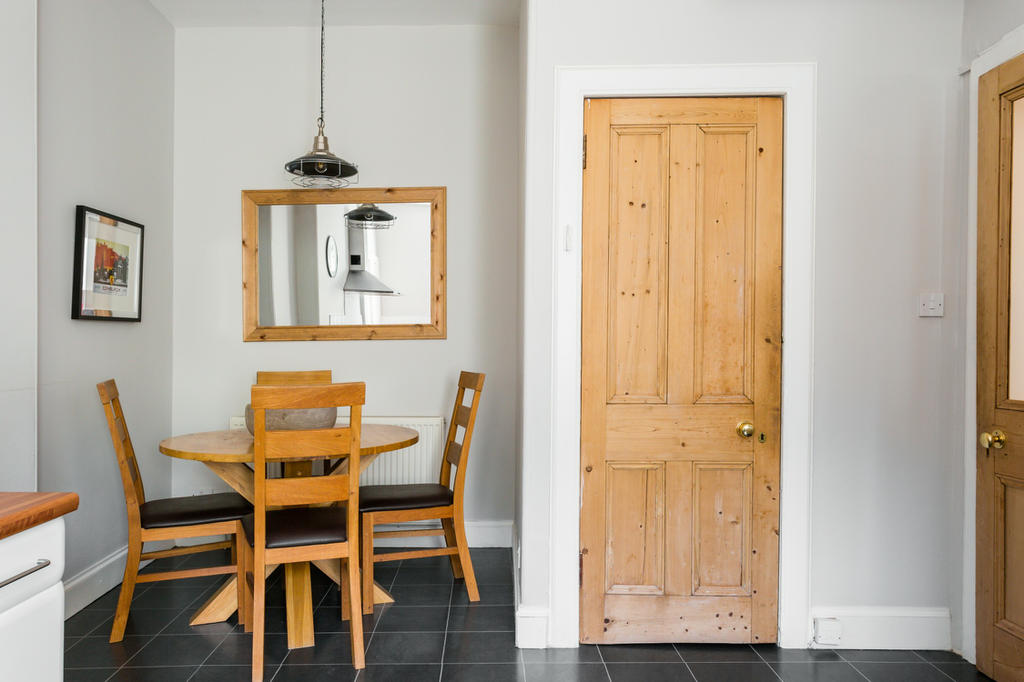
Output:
(796, 83)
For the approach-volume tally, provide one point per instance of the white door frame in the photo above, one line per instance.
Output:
(1010, 46)
(796, 83)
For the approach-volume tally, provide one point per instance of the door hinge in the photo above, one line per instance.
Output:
(581, 568)
(584, 151)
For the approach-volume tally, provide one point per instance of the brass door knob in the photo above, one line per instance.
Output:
(996, 440)
(746, 429)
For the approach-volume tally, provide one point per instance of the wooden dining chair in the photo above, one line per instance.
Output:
(428, 501)
(165, 519)
(300, 527)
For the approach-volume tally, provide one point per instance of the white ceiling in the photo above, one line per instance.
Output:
(190, 13)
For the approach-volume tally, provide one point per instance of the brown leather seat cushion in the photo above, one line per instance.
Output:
(185, 511)
(374, 498)
(300, 526)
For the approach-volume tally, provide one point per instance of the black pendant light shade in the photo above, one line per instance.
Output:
(319, 167)
(369, 217)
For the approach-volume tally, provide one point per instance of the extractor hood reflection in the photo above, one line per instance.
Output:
(359, 280)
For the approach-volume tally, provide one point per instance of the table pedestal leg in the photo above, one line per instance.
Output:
(299, 605)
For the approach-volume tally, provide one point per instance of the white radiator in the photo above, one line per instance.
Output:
(420, 463)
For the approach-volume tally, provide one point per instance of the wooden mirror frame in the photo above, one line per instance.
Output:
(253, 199)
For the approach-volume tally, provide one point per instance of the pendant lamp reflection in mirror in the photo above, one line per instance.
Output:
(319, 167)
(369, 217)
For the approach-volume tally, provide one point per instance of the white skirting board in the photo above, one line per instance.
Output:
(888, 627)
(89, 585)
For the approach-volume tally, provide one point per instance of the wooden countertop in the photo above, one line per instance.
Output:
(21, 511)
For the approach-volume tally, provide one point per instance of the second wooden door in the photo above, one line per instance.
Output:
(682, 317)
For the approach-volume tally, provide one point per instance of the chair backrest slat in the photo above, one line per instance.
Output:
(307, 444)
(456, 453)
(302, 378)
(131, 478)
(462, 415)
(306, 397)
(307, 490)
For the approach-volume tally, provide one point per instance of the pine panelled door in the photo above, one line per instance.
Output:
(681, 384)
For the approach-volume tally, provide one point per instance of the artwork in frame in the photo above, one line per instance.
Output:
(108, 267)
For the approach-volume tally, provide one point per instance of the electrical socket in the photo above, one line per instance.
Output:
(828, 631)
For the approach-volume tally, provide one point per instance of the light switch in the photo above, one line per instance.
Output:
(931, 305)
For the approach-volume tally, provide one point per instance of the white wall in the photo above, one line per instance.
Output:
(106, 75)
(985, 22)
(19, 229)
(249, 96)
(886, 455)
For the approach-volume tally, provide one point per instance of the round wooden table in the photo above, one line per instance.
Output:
(228, 454)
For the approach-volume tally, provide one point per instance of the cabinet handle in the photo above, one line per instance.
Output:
(40, 565)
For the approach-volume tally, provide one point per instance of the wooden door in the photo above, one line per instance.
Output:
(682, 318)
(1000, 456)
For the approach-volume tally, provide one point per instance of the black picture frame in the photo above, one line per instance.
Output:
(111, 290)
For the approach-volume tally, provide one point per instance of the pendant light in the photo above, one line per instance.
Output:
(319, 167)
(369, 217)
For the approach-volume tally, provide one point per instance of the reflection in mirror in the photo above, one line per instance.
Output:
(383, 275)
(1016, 313)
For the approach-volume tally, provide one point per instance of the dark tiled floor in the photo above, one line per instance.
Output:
(434, 634)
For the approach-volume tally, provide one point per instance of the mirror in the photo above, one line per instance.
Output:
(343, 264)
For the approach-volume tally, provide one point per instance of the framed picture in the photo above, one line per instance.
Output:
(108, 267)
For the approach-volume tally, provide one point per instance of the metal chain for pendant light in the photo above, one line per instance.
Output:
(320, 121)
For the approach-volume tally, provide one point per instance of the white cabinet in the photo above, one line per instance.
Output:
(32, 604)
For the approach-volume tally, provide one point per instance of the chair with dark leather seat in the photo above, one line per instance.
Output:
(427, 501)
(304, 521)
(167, 519)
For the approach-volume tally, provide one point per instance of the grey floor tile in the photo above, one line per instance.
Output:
(177, 596)
(393, 673)
(330, 648)
(585, 653)
(97, 652)
(328, 619)
(162, 674)
(421, 595)
(899, 671)
(143, 621)
(566, 672)
(85, 622)
(410, 574)
(938, 656)
(716, 653)
(490, 595)
(230, 673)
(413, 619)
(482, 672)
(878, 655)
(482, 618)
(649, 672)
(816, 671)
(236, 649)
(405, 647)
(735, 671)
(176, 650)
(639, 653)
(480, 647)
(87, 674)
(962, 672)
(771, 652)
